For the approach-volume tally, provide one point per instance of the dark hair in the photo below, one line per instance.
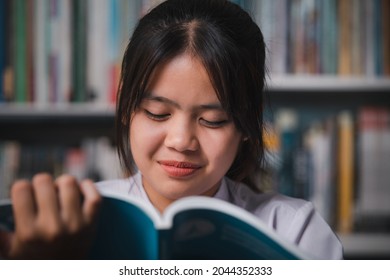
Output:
(231, 47)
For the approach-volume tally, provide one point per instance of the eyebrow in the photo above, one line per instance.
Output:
(210, 106)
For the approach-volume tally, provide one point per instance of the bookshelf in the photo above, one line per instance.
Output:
(329, 83)
(366, 246)
(66, 123)
(306, 76)
(317, 102)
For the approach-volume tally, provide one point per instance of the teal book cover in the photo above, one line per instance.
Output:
(190, 228)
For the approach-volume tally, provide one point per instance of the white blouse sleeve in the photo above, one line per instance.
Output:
(295, 220)
(313, 235)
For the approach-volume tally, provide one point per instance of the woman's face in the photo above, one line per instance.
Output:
(181, 139)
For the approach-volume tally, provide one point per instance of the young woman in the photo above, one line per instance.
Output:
(189, 122)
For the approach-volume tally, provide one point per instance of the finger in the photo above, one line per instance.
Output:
(46, 198)
(24, 206)
(70, 202)
(92, 201)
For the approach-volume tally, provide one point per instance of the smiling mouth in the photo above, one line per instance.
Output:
(179, 168)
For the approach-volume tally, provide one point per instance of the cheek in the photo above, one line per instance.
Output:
(144, 138)
(221, 149)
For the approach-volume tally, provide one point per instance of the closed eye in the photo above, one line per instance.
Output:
(213, 124)
(156, 117)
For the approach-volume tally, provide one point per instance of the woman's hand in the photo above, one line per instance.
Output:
(54, 219)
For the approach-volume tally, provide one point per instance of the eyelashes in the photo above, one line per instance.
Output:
(213, 124)
(156, 117)
(207, 123)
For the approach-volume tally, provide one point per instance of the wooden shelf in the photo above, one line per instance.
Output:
(56, 110)
(327, 83)
(367, 245)
(57, 123)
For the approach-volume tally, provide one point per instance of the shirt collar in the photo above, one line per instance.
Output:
(223, 191)
(137, 190)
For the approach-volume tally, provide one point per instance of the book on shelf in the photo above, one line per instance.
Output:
(55, 44)
(70, 51)
(341, 38)
(345, 42)
(3, 38)
(328, 41)
(338, 161)
(345, 154)
(190, 228)
(98, 64)
(373, 208)
(9, 164)
(320, 144)
(95, 158)
(41, 88)
(79, 50)
(386, 36)
(19, 14)
(317, 162)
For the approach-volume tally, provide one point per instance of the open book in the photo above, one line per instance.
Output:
(190, 228)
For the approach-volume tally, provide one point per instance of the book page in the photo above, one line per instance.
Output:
(208, 228)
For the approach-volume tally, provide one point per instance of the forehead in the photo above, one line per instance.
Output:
(183, 78)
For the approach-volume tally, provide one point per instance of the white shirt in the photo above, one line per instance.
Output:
(293, 219)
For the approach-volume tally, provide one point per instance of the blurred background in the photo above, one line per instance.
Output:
(327, 106)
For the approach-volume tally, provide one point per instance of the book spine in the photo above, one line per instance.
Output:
(130, 14)
(378, 57)
(368, 145)
(262, 13)
(369, 45)
(279, 31)
(40, 57)
(287, 129)
(344, 67)
(301, 168)
(269, 177)
(386, 36)
(299, 37)
(98, 60)
(79, 49)
(52, 58)
(114, 48)
(20, 53)
(64, 51)
(329, 50)
(382, 189)
(312, 37)
(374, 149)
(30, 38)
(356, 33)
(9, 164)
(320, 152)
(3, 39)
(362, 37)
(346, 167)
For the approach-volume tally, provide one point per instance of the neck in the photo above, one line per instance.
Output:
(161, 202)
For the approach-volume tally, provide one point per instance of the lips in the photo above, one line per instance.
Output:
(179, 168)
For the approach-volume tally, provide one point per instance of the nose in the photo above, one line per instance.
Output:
(181, 136)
